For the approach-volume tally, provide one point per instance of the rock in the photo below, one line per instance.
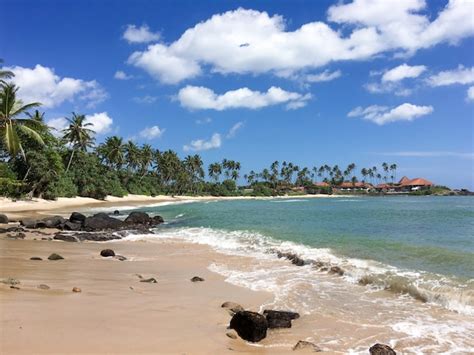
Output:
(40, 224)
(65, 237)
(232, 307)
(77, 217)
(76, 289)
(303, 344)
(102, 221)
(295, 259)
(231, 335)
(336, 270)
(44, 287)
(158, 220)
(120, 257)
(28, 223)
(19, 235)
(107, 252)
(250, 326)
(54, 221)
(35, 258)
(55, 256)
(71, 226)
(15, 287)
(138, 218)
(3, 218)
(116, 212)
(279, 319)
(381, 349)
(197, 279)
(150, 280)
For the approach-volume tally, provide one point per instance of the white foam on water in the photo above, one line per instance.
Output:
(289, 201)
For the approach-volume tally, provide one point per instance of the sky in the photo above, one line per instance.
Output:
(312, 82)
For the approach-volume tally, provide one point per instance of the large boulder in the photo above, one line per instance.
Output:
(71, 226)
(381, 349)
(3, 218)
(102, 221)
(54, 221)
(107, 252)
(28, 223)
(250, 326)
(138, 218)
(77, 217)
(279, 319)
(157, 220)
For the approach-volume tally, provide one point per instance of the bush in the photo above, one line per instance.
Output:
(63, 187)
(11, 187)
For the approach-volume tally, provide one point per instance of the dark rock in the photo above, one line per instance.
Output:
(107, 252)
(3, 218)
(41, 224)
(303, 345)
(381, 349)
(197, 279)
(295, 259)
(28, 223)
(54, 221)
(150, 280)
(71, 226)
(76, 289)
(55, 256)
(102, 221)
(250, 326)
(138, 218)
(336, 270)
(232, 307)
(15, 287)
(65, 237)
(120, 257)
(116, 212)
(279, 319)
(157, 220)
(96, 237)
(77, 217)
(44, 287)
(35, 258)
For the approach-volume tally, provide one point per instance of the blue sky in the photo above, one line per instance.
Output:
(304, 81)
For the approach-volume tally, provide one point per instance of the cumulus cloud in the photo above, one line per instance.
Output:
(202, 98)
(121, 75)
(402, 72)
(461, 75)
(470, 94)
(324, 76)
(249, 41)
(234, 129)
(147, 99)
(201, 144)
(152, 132)
(382, 114)
(101, 122)
(134, 34)
(41, 84)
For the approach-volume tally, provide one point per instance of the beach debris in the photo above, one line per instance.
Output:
(231, 335)
(107, 252)
(150, 280)
(65, 237)
(11, 281)
(232, 307)
(295, 259)
(35, 258)
(336, 270)
(77, 217)
(43, 287)
(306, 345)
(250, 326)
(28, 223)
(197, 279)
(54, 221)
(55, 256)
(71, 226)
(3, 218)
(381, 349)
(102, 221)
(116, 212)
(76, 289)
(279, 319)
(120, 257)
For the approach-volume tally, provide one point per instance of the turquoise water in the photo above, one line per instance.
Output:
(432, 234)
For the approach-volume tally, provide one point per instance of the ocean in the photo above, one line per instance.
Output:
(407, 262)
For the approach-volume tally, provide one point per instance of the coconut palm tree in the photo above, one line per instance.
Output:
(132, 155)
(10, 123)
(393, 169)
(78, 135)
(214, 171)
(112, 151)
(145, 158)
(5, 75)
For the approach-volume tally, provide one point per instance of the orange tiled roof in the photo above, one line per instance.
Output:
(418, 182)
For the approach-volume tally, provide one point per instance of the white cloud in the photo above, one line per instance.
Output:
(201, 144)
(402, 72)
(41, 84)
(461, 75)
(324, 76)
(121, 75)
(152, 132)
(249, 41)
(134, 34)
(382, 114)
(201, 98)
(470, 94)
(58, 124)
(101, 122)
(147, 99)
(234, 129)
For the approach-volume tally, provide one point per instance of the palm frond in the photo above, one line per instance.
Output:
(31, 133)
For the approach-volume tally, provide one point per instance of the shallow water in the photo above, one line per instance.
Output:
(408, 262)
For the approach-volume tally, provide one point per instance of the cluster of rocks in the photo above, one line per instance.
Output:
(298, 261)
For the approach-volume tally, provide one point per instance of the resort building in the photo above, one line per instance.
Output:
(405, 185)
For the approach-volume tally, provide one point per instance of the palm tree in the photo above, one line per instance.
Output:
(215, 170)
(5, 75)
(132, 156)
(393, 169)
(78, 135)
(113, 151)
(145, 158)
(11, 124)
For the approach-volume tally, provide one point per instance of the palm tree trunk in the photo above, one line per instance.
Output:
(70, 160)
(27, 172)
